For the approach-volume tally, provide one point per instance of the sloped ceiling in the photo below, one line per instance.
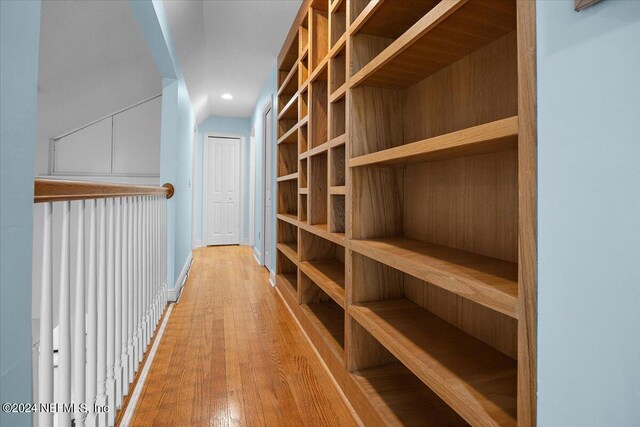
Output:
(228, 46)
(93, 61)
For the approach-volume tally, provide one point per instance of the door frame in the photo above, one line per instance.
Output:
(205, 174)
(266, 182)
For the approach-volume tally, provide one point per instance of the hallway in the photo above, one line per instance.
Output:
(231, 354)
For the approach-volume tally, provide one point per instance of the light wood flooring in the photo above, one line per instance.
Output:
(233, 355)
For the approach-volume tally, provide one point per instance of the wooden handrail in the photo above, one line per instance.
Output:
(54, 190)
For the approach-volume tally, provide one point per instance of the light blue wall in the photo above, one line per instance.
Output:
(19, 38)
(589, 214)
(257, 123)
(223, 125)
(178, 123)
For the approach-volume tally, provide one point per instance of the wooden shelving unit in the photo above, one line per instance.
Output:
(406, 204)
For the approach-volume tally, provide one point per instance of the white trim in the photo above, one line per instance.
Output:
(272, 278)
(252, 188)
(194, 178)
(205, 168)
(257, 255)
(198, 244)
(137, 391)
(266, 180)
(174, 294)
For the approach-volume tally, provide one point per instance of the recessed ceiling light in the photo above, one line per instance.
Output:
(227, 96)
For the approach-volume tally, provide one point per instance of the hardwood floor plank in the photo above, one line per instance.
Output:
(233, 355)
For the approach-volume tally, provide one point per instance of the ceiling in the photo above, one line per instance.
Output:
(228, 46)
(94, 61)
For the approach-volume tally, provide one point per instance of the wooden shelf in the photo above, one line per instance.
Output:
(328, 319)
(472, 24)
(289, 177)
(322, 230)
(315, 150)
(338, 93)
(476, 380)
(288, 112)
(402, 399)
(365, 15)
(291, 136)
(490, 137)
(304, 190)
(290, 218)
(487, 281)
(289, 249)
(338, 190)
(289, 85)
(329, 276)
(288, 281)
(305, 52)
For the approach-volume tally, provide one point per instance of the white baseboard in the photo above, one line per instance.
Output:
(272, 278)
(174, 294)
(198, 244)
(257, 255)
(244, 242)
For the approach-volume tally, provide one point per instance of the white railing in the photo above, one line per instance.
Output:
(87, 359)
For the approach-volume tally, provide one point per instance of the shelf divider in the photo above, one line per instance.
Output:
(495, 136)
(487, 281)
(477, 381)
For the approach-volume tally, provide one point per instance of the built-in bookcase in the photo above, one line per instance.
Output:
(406, 214)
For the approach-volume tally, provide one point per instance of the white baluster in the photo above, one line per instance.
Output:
(154, 264)
(45, 362)
(147, 270)
(64, 328)
(101, 361)
(140, 350)
(124, 334)
(117, 369)
(158, 261)
(92, 319)
(131, 288)
(165, 260)
(110, 383)
(79, 356)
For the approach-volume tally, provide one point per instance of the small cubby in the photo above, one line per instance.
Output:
(337, 211)
(337, 157)
(302, 176)
(399, 397)
(319, 104)
(288, 198)
(338, 20)
(288, 234)
(451, 343)
(318, 189)
(326, 316)
(323, 262)
(479, 89)
(287, 276)
(287, 64)
(303, 104)
(337, 118)
(287, 159)
(338, 65)
(303, 138)
(302, 211)
(454, 220)
(319, 34)
(357, 6)
(303, 37)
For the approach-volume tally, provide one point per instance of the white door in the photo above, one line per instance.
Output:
(268, 227)
(222, 191)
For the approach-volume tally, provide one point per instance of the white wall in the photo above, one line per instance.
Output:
(589, 214)
(125, 143)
